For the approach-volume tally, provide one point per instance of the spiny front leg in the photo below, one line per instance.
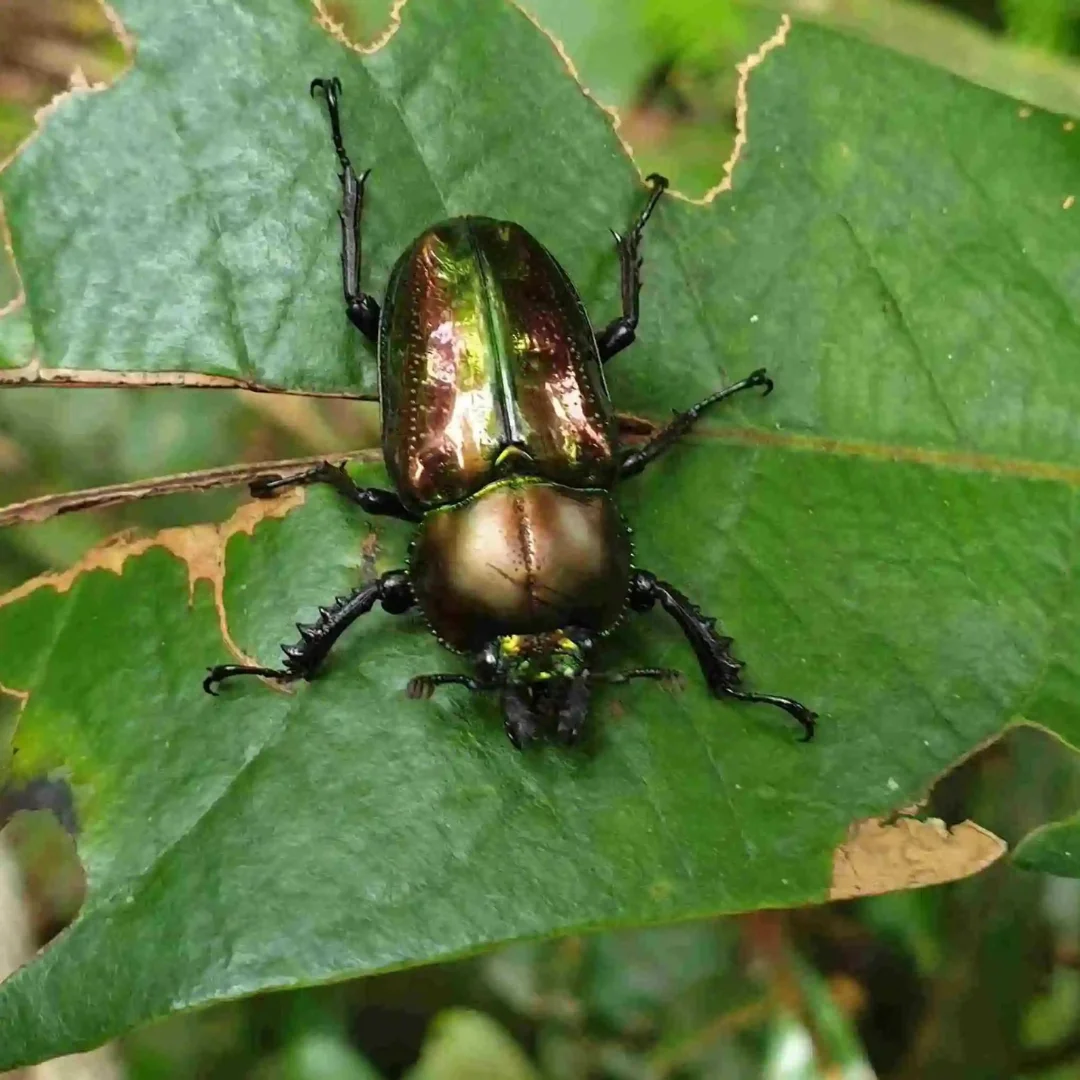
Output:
(303, 659)
(722, 671)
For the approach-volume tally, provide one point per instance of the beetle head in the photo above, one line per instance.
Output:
(544, 680)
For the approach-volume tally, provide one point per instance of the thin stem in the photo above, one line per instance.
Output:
(50, 506)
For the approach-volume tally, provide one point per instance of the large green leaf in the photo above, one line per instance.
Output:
(891, 536)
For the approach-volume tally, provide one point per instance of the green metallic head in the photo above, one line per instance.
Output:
(544, 680)
(527, 659)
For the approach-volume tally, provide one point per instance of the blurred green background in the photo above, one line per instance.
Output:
(979, 979)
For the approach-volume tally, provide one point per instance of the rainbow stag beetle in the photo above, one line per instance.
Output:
(502, 444)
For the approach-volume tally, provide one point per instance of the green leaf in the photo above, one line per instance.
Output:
(944, 36)
(1052, 849)
(16, 338)
(16, 333)
(891, 536)
(321, 1055)
(463, 1043)
(838, 1037)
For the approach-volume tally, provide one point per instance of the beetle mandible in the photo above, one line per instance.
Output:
(502, 444)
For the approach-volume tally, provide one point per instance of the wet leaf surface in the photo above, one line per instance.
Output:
(891, 536)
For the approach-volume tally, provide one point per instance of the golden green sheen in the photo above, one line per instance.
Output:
(488, 366)
(523, 557)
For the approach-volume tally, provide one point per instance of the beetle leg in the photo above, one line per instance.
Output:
(362, 308)
(423, 686)
(373, 500)
(303, 659)
(721, 670)
(572, 711)
(669, 676)
(621, 332)
(521, 724)
(633, 461)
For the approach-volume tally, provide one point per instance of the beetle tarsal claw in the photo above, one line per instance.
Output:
(760, 378)
(674, 681)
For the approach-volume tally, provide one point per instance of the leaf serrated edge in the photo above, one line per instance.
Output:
(34, 374)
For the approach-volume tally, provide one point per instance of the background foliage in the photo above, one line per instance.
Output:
(907, 982)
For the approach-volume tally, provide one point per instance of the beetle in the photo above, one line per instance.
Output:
(502, 445)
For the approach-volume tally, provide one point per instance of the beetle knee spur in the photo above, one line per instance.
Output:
(397, 595)
(641, 596)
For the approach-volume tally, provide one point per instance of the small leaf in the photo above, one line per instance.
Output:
(463, 1043)
(323, 1056)
(1053, 849)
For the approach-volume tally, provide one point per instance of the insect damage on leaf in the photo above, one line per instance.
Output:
(426, 815)
(339, 32)
(200, 547)
(744, 69)
(883, 856)
(33, 374)
(31, 369)
(742, 107)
